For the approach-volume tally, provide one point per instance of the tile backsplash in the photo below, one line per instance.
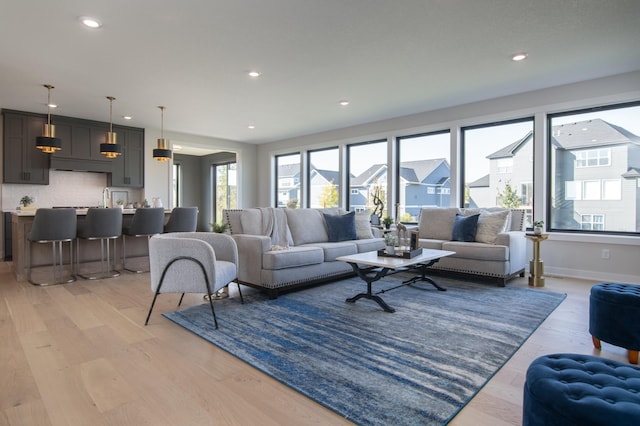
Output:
(64, 189)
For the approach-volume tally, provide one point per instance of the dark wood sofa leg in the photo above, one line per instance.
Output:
(272, 293)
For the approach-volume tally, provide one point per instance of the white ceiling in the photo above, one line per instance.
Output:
(389, 58)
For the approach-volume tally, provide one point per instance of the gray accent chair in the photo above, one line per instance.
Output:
(182, 219)
(54, 226)
(104, 225)
(192, 262)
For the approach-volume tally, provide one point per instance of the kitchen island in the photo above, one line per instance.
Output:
(22, 220)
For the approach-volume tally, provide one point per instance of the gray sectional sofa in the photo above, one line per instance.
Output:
(495, 248)
(284, 248)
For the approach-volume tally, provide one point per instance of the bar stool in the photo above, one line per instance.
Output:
(54, 226)
(104, 225)
(182, 219)
(146, 222)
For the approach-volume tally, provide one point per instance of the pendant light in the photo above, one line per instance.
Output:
(110, 148)
(162, 152)
(48, 142)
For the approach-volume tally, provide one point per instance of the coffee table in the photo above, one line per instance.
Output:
(371, 267)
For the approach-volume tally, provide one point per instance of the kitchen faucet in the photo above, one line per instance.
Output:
(106, 195)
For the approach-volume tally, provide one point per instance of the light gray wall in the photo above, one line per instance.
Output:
(563, 254)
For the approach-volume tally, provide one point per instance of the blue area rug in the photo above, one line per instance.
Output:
(419, 365)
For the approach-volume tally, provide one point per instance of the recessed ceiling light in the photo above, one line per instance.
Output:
(254, 74)
(177, 147)
(251, 126)
(52, 105)
(127, 117)
(90, 22)
(344, 103)
(519, 57)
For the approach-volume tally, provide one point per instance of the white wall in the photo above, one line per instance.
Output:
(157, 175)
(564, 255)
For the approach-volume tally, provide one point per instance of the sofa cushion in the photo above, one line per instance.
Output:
(369, 244)
(293, 257)
(436, 223)
(490, 224)
(340, 227)
(363, 225)
(477, 251)
(333, 250)
(464, 227)
(306, 226)
(431, 244)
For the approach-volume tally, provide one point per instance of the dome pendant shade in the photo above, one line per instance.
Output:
(110, 148)
(162, 152)
(48, 143)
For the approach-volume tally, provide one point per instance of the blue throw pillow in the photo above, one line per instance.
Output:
(464, 228)
(341, 227)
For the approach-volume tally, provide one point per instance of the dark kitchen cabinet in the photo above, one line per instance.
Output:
(23, 162)
(128, 168)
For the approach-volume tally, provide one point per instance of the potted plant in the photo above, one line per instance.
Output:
(220, 228)
(537, 226)
(390, 242)
(387, 221)
(26, 201)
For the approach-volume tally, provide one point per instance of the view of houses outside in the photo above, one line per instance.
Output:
(288, 179)
(424, 173)
(324, 183)
(595, 176)
(498, 166)
(596, 171)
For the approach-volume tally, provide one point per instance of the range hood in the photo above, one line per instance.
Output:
(76, 165)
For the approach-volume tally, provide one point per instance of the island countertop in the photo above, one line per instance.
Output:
(79, 212)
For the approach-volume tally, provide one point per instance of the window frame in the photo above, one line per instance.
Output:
(398, 142)
(550, 170)
(348, 168)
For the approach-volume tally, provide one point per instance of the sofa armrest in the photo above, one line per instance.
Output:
(517, 244)
(250, 251)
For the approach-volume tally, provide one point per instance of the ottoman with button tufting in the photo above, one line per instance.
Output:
(614, 310)
(584, 390)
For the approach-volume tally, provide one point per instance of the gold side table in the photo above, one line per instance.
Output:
(536, 266)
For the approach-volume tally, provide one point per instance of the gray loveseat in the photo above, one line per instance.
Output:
(496, 248)
(284, 248)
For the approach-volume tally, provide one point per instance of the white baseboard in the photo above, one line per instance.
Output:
(592, 275)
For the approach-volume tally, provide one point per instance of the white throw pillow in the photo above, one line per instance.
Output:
(363, 225)
(490, 224)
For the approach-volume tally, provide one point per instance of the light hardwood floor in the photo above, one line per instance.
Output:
(78, 354)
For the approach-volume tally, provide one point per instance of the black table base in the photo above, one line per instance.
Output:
(373, 274)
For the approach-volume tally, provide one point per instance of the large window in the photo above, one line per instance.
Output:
(424, 173)
(498, 165)
(226, 190)
(594, 168)
(288, 181)
(324, 178)
(367, 173)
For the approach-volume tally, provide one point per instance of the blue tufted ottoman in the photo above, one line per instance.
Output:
(581, 390)
(614, 310)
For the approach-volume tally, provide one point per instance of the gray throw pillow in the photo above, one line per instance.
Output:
(341, 227)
